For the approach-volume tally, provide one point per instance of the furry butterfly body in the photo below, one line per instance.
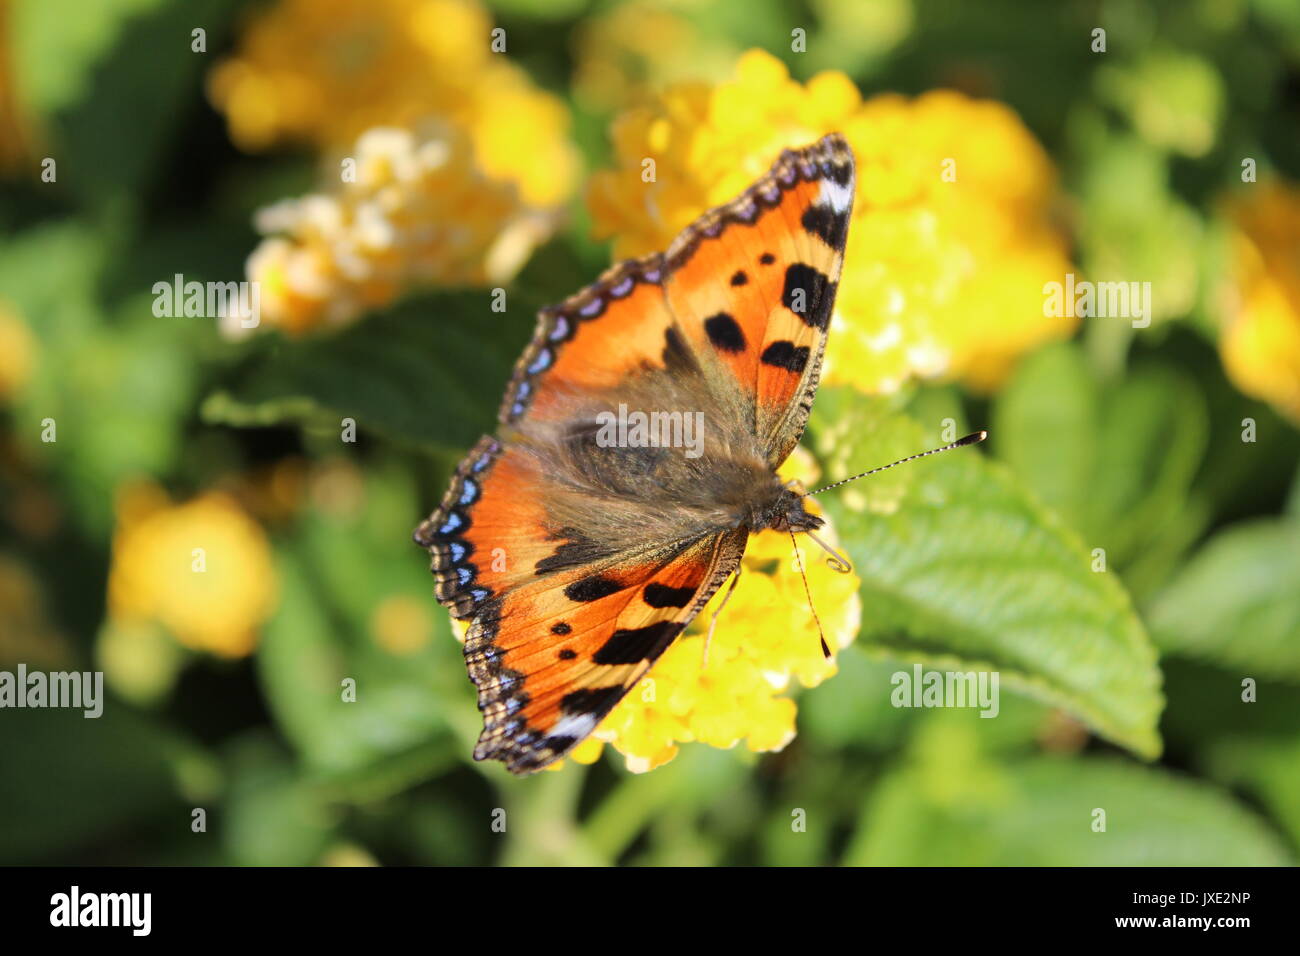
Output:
(576, 559)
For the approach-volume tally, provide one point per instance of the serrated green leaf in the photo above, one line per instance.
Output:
(1237, 602)
(963, 568)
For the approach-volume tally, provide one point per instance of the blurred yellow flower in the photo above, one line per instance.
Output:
(412, 210)
(1260, 342)
(17, 352)
(321, 72)
(951, 241)
(765, 638)
(402, 624)
(201, 569)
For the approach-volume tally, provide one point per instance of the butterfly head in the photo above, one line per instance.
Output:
(785, 512)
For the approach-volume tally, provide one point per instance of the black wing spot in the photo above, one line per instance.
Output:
(831, 226)
(840, 173)
(808, 294)
(560, 743)
(661, 595)
(594, 588)
(786, 355)
(561, 628)
(567, 655)
(592, 700)
(725, 333)
(767, 258)
(633, 645)
(739, 278)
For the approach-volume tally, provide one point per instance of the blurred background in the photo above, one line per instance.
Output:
(1124, 551)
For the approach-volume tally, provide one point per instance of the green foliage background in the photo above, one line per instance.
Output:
(1123, 442)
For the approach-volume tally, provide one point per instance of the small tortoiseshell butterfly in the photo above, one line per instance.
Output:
(578, 560)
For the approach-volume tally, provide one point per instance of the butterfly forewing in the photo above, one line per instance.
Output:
(754, 283)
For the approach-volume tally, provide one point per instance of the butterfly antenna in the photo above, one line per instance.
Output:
(971, 439)
(826, 651)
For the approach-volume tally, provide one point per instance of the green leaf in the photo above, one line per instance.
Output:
(1269, 769)
(118, 387)
(1045, 427)
(960, 567)
(1063, 436)
(1174, 99)
(430, 371)
(1133, 224)
(1237, 602)
(393, 733)
(72, 781)
(91, 72)
(272, 817)
(350, 568)
(1043, 816)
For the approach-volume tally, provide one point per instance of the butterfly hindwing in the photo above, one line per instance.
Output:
(551, 661)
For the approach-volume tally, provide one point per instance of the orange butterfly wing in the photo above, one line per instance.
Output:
(551, 661)
(560, 630)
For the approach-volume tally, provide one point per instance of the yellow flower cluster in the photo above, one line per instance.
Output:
(1260, 343)
(409, 210)
(322, 72)
(201, 569)
(951, 242)
(765, 639)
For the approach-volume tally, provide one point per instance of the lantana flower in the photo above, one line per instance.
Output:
(951, 242)
(1260, 341)
(322, 72)
(416, 211)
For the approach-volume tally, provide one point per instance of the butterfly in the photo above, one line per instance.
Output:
(583, 537)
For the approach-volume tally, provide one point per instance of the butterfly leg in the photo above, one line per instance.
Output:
(713, 618)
